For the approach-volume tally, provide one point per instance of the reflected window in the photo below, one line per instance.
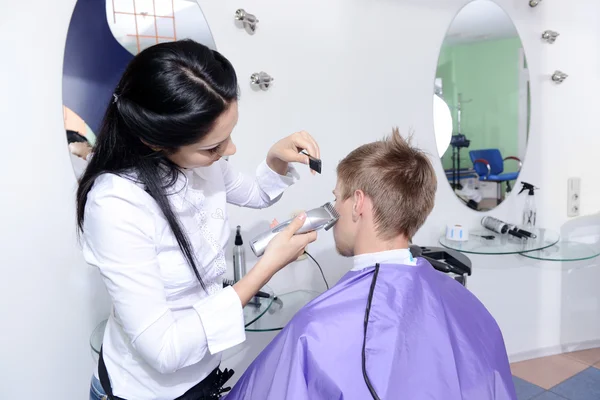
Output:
(139, 24)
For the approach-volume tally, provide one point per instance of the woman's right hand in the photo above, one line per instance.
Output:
(286, 247)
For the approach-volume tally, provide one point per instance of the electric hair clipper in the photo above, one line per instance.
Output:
(317, 218)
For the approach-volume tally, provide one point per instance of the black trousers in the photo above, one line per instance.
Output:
(211, 388)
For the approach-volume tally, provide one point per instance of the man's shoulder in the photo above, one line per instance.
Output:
(331, 312)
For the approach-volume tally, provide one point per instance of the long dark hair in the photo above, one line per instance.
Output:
(169, 96)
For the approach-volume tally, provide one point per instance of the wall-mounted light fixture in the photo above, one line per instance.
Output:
(559, 76)
(262, 80)
(550, 36)
(534, 3)
(247, 20)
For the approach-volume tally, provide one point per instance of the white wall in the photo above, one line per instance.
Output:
(345, 70)
(50, 300)
(360, 67)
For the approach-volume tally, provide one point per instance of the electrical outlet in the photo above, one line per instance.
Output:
(573, 197)
(294, 215)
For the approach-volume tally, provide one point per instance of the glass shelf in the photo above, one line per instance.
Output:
(282, 311)
(258, 306)
(260, 314)
(501, 244)
(566, 251)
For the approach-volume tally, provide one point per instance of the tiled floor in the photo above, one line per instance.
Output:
(570, 376)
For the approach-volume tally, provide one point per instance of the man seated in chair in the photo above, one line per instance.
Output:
(424, 336)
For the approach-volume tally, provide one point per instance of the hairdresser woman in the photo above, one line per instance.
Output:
(151, 207)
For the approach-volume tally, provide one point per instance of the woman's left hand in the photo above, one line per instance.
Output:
(288, 150)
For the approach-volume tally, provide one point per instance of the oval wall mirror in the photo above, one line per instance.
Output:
(103, 37)
(482, 81)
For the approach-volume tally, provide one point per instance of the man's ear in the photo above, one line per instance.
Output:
(358, 204)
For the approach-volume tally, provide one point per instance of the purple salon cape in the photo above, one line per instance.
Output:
(428, 338)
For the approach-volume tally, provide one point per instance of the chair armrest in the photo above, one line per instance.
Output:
(487, 164)
(516, 159)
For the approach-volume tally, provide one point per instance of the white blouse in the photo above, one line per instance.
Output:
(165, 332)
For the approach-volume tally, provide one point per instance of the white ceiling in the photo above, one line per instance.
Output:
(478, 21)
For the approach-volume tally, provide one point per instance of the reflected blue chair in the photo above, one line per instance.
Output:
(489, 165)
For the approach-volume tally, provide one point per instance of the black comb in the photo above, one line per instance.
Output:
(313, 163)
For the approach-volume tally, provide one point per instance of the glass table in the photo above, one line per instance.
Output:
(258, 306)
(282, 310)
(261, 314)
(566, 251)
(501, 244)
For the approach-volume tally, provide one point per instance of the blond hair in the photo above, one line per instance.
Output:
(398, 178)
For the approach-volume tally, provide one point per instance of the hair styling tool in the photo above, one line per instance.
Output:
(522, 232)
(527, 233)
(322, 217)
(494, 224)
(501, 227)
(313, 163)
(516, 234)
(516, 231)
(239, 256)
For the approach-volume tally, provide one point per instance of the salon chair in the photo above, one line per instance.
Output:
(489, 165)
(448, 261)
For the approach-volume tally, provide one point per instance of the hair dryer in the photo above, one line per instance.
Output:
(317, 218)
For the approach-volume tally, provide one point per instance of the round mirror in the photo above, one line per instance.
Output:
(482, 79)
(103, 37)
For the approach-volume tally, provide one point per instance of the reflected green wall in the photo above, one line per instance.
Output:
(488, 74)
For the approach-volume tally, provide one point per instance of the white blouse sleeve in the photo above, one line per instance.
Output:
(259, 191)
(119, 239)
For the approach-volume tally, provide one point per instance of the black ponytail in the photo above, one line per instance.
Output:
(169, 96)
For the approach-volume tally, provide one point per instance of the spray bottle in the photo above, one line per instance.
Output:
(530, 210)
